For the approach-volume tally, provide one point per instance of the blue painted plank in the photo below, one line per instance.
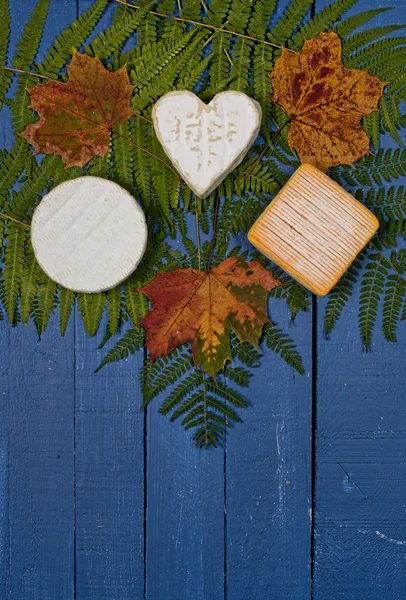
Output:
(360, 542)
(268, 466)
(185, 515)
(109, 466)
(37, 519)
(109, 475)
(269, 472)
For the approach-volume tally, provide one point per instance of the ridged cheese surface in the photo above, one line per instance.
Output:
(313, 229)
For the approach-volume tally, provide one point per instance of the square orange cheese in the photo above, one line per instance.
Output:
(313, 229)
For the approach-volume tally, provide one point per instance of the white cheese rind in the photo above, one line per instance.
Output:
(88, 234)
(205, 142)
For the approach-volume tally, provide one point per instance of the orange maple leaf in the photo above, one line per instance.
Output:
(77, 116)
(325, 102)
(203, 308)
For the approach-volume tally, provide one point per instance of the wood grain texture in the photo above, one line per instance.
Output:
(109, 466)
(313, 229)
(36, 432)
(268, 470)
(109, 449)
(361, 449)
(185, 515)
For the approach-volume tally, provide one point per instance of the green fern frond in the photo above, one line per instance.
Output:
(45, 302)
(114, 309)
(280, 343)
(373, 54)
(262, 11)
(291, 19)
(66, 304)
(165, 371)
(373, 170)
(239, 375)
(31, 36)
(227, 393)
(372, 289)
(183, 389)
(91, 308)
(394, 297)
(363, 38)
(390, 114)
(244, 352)
(71, 37)
(386, 65)
(131, 342)
(5, 76)
(320, 22)
(350, 24)
(340, 294)
(262, 88)
(110, 40)
(29, 281)
(14, 257)
(12, 167)
(371, 124)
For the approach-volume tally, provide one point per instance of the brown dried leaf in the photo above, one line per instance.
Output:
(325, 102)
(77, 116)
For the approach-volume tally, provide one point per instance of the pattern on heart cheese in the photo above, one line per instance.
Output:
(205, 142)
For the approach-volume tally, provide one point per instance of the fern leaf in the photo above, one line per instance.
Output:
(394, 297)
(262, 66)
(13, 166)
(238, 374)
(187, 385)
(262, 11)
(45, 302)
(390, 113)
(30, 278)
(359, 40)
(31, 36)
(14, 256)
(340, 295)
(372, 288)
(114, 309)
(322, 21)
(66, 303)
(71, 37)
(280, 343)
(347, 26)
(110, 40)
(287, 24)
(5, 76)
(91, 307)
(165, 371)
(226, 393)
(131, 342)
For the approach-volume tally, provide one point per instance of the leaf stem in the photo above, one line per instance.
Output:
(265, 150)
(4, 216)
(199, 251)
(24, 72)
(206, 26)
(214, 237)
(150, 154)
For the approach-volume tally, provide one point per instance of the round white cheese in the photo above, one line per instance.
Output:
(88, 234)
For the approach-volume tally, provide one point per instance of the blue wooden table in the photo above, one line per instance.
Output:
(99, 500)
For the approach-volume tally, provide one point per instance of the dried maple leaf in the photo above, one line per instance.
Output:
(202, 308)
(325, 102)
(77, 116)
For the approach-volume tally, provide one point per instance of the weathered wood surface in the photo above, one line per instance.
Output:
(99, 501)
(360, 513)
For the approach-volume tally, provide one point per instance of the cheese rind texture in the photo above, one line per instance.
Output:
(205, 142)
(313, 229)
(88, 234)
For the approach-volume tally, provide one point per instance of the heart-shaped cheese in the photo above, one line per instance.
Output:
(205, 142)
